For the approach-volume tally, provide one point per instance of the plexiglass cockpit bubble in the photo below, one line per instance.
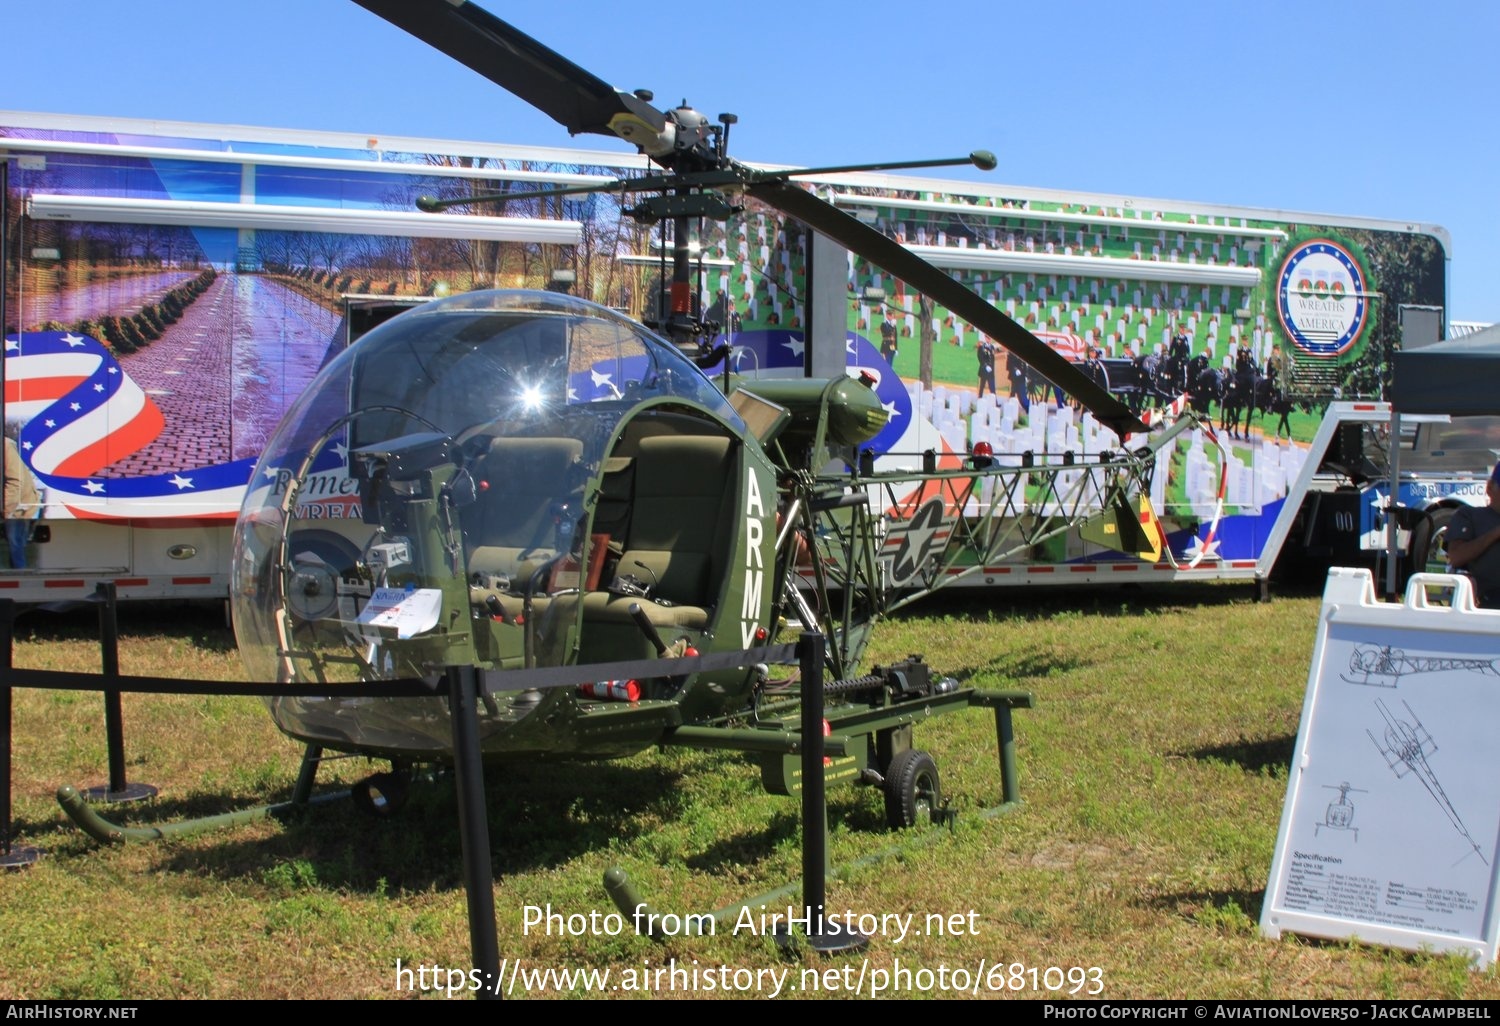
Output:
(459, 457)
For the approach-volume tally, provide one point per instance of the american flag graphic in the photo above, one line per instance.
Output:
(82, 413)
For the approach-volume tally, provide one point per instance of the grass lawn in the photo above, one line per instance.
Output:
(1153, 771)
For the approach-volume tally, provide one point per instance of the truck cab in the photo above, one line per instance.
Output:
(1443, 462)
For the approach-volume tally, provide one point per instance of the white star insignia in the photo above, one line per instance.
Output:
(94, 487)
(796, 346)
(890, 408)
(13, 344)
(272, 473)
(182, 482)
(1197, 547)
(75, 407)
(49, 422)
(73, 340)
(114, 370)
(600, 379)
(98, 388)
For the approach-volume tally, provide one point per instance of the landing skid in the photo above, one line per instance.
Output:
(87, 819)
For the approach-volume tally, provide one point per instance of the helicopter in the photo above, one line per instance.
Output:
(537, 482)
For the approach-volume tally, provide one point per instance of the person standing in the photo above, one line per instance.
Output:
(1179, 352)
(1020, 380)
(888, 338)
(20, 500)
(1095, 369)
(1472, 534)
(985, 351)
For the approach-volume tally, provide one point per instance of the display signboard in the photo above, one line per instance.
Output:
(1391, 824)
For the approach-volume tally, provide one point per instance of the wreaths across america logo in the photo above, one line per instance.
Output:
(1321, 298)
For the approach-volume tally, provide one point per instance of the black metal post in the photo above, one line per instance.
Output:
(109, 658)
(118, 789)
(473, 828)
(827, 936)
(18, 856)
(814, 790)
(7, 612)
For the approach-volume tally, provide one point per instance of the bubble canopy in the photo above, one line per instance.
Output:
(462, 377)
(502, 359)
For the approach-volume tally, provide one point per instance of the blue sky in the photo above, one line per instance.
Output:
(1379, 109)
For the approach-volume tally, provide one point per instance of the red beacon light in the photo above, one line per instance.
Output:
(982, 456)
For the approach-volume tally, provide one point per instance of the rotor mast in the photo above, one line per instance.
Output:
(696, 147)
(700, 180)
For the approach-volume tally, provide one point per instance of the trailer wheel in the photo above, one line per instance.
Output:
(1428, 552)
(912, 790)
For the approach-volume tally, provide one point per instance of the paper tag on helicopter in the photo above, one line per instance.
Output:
(408, 613)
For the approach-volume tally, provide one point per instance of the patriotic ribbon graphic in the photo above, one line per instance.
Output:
(83, 413)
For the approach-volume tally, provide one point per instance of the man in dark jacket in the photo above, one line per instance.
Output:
(1472, 534)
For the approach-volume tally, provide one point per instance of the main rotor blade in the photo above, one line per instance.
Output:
(505, 55)
(433, 205)
(982, 159)
(962, 301)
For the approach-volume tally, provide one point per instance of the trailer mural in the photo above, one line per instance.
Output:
(1257, 324)
(168, 296)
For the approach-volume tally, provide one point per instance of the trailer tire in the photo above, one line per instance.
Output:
(912, 790)
(1427, 542)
